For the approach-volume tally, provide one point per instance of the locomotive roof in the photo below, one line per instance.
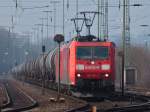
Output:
(87, 39)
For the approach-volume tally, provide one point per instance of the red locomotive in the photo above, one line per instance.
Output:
(84, 65)
(87, 64)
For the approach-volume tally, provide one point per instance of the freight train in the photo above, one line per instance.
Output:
(85, 63)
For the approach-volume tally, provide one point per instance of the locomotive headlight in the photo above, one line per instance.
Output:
(78, 75)
(106, 75)
(80, 67)
(105, 67)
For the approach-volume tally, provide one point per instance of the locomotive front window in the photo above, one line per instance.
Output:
(92, 52)
(100, 52)
(84, 52)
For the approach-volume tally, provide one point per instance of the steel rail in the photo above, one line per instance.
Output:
(24, 96)
(7, 97)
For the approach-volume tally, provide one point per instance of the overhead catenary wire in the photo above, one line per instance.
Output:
(111, 5)
(70, 3)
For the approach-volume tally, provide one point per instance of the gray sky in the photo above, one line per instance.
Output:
(26, 19)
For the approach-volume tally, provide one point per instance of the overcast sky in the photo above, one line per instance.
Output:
(25, 19)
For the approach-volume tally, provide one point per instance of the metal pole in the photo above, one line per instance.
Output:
(106, 19)
(58, 71)
(98, 18)
(101, 19)
(43, 91)
(58, 38)
(77, 15)
(43, 50)
(43, 74)
(12, 36)
(47, 25)
(54, 3)
(64, 17)
(38, 39)
(47, 12)
(89, 30)
(123, 47)
(42, 31)
(127, 38)
(54, 18)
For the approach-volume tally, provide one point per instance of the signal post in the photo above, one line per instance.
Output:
(58, 38)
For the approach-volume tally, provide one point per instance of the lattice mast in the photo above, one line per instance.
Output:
(127, 19)
(103, 19)
(127, 32)
(106, 20)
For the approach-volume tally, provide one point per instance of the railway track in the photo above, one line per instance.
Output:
(50, 98)
(19, 101)
(4, 97)
(135, 102)
(139, 103)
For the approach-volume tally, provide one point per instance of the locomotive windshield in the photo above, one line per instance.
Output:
(100, 52)
(84, 52)
(97, 52)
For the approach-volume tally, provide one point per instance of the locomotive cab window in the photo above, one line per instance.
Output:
(84, 52)
(87, 52)
(100, 52)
